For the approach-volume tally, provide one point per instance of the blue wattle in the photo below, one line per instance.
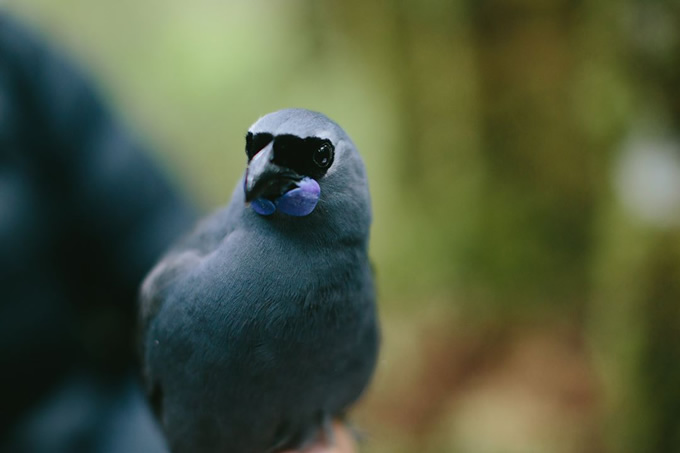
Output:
(300, 201)
(263, 206)
(297, 202)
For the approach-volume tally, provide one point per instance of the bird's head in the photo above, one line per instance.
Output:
(296, 158)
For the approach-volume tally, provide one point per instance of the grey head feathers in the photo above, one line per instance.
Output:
(344, 205)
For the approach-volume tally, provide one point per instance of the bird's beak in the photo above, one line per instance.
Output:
(266, 179)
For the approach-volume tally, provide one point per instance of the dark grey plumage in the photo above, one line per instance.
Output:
(257, 330)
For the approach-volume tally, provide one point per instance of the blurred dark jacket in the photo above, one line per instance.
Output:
(84, 213)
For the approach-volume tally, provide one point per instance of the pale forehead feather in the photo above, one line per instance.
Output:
(299, 122)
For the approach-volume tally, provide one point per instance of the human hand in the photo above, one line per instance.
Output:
(343, 442)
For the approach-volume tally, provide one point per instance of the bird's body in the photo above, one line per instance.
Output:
(258, 329)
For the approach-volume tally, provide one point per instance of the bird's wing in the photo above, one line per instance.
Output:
(187, 254)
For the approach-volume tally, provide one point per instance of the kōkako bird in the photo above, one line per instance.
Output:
(260, 327)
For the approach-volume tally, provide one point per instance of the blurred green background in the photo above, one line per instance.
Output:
(525, 168)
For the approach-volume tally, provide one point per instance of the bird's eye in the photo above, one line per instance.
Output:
(323, 156)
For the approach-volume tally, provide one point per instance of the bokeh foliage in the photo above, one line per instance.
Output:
(492, 131)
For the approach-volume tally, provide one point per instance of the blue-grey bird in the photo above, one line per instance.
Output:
(260, 327)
